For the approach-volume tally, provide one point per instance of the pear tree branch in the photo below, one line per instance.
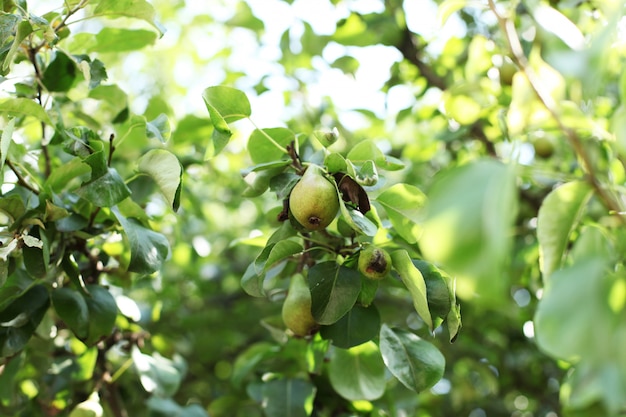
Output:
(519, 58)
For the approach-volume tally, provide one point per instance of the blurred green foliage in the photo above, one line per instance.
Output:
(498, 155)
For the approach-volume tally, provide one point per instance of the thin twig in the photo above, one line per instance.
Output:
(518, 57)
(21, 180)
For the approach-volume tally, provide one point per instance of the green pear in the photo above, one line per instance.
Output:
(374, 262)
(313, 201)
(297, 307)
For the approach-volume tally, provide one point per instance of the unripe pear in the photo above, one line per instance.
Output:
(313, 201)
(297, 307)
(374, 262)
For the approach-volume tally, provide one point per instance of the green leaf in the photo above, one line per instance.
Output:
(414, 282)
(85, 365)
(404, 205)
(288, 397)
(357, 373)
(359, 325)
(5, 141)
(19, 320)
(148, 249)
(557, 218)
(448, 7)
(159, 128)
(106, 190)
(364, 151)
(252, 281)
(229, 103)
(13, 206)
(60, 74)
(158, 375)
(573, 313)
(111, 39)
(419, 365)
(102, 313)
(165, 169)
(71, 307)
(277, 252)
(61, 177)
(468, 227)
(334, 290)
(36, 259)
(438, 288)
(23, 30)
(263, 149)
(24, 107)
(138, 9)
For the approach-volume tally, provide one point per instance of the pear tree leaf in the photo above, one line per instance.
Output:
(148, 249)
(137, 9)
(557, 218)
(263, 149)
(165, 169)
(416, 363)
(414, 282)
(357, 373)
(334, 290)
(102, 313)
(404, 205)
(22, 106)
(106, 190)
(359, 325)
(72, 308)
(288, 397)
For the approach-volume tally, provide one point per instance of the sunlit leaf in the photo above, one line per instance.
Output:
(404, 204)
(138, 9)
(414, 282)
(165, 169)
(288, 397)
(24, 107)
(556, 220)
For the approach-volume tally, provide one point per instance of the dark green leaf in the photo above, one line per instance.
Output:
(359, 325)
(19, 320)
(71, 307)
(102, 313)
(106, 190)
(416, 363)
(148, 249)
(60, 74)
(334, 290)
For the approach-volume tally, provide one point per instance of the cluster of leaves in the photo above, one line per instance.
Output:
(75, 228)
(342, 298)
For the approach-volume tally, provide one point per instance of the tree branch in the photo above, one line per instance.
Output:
(412, 52)
(518, 57)
(21, 180)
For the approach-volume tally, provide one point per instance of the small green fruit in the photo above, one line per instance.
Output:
(313, 201)
(374, 263)
(544, 148)
(296, 311)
